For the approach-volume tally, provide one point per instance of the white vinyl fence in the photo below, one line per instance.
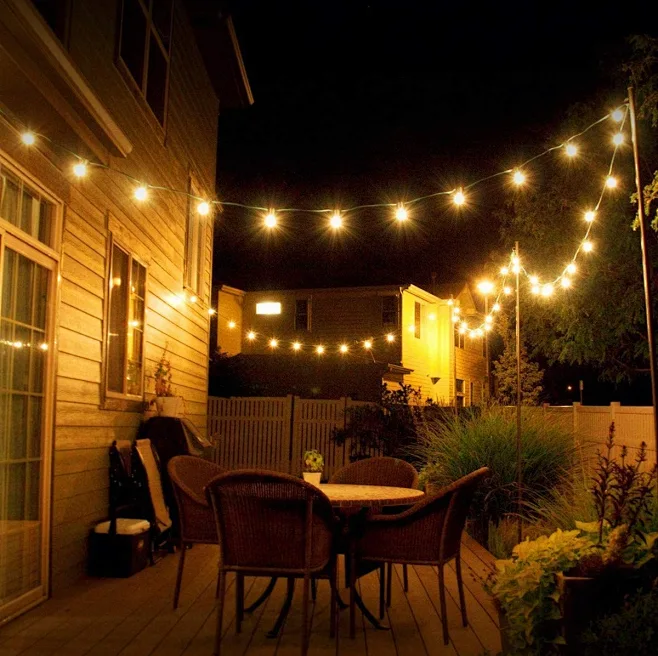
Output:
(274, 432)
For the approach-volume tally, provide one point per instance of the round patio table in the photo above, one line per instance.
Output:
(343, 495)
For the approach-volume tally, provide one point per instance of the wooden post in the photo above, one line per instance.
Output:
(519, 500)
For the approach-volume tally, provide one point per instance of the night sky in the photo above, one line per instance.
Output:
(379, 101)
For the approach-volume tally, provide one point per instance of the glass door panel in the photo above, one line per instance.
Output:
(23, 361)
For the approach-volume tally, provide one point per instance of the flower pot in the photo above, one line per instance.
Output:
(168, 406)
(313, 477)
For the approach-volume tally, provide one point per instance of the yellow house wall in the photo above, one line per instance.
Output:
(229, 309)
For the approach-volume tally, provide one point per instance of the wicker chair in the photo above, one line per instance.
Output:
(381, 470)
(189, 476)
(428, 533)
(272, 524)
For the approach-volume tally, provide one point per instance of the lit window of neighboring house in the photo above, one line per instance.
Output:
(459, 392)
(195, 244)
(302, 314)
(390, 312)
(417, 318)
(145, 47)
(125, 334)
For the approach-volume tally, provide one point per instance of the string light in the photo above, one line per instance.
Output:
(231, 324)
(141, 193)
(336, 221)
(344, 348)
(571, 268)
(496, 307)
(390, 338)
(535, 289)
(565, 282)
(534, 280)
(203, 208)
(251, 335)
(319, 349)
(611, 182)
(270, 219)
(194, 298)
(547, 289)
(571, 150)
(401, 213)
(618, 139)
(459, 198)
(80, 170)
(296, 346)
(28, 138)
(504, 271)
(507, 291)
(618, 115)
(588, 247)
(273, 343)
(367, 344)
(519, 178)
(212, 311)
(590, 216)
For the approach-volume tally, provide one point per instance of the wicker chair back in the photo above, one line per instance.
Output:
(380, 470)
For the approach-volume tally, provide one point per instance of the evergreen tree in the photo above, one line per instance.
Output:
(505, 374)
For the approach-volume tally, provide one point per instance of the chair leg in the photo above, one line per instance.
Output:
(179, 575)
(460, 587)
(389, 583)
(352, 558)
(333, 602)
(442, 599)
(382, 580)
(239, 601)
(220, 612)
(405, 578)
(305, 627)
(314, 589)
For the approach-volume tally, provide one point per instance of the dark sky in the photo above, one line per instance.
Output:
(359, 102)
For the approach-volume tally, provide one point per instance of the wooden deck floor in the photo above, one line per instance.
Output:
(134, 617)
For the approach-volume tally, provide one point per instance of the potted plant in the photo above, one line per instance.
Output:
(166, 402)
(313, 466)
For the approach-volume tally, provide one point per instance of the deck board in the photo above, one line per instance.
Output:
(131, 617)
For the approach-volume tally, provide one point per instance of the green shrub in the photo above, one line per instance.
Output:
(451, 447)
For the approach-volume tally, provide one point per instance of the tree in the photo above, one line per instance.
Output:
(505, 375)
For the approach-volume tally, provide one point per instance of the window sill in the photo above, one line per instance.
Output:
(124, 404)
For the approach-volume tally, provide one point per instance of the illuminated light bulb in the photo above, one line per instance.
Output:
(336, 221)
(134, 323)
(547, 289)
(571, 150)
(485, 287)
(451, 301)
(535, 289)
(534, 280)
(516, 261)
(390, 338)
(28, 138)
(518, 178)
(80, 170)
(504, 271)
(566, 282)
(479, 332)
(507, 291)
(271, 220)
(211, 311)
(611, 182)
(344, 348)
(455, 318)
(319, 349)
(471, 334)
(516, 268)
(588, 246)
(459, 198)
(590, 216)
(431, 316)
(464, 325)
(367, 345)
(194, 298)
(401, 213)
(203, 208)
(18, 345)
(496, 307)
(273, 343)
(571, 268)
(462, 330)
(231, 324)
(115, 282)
(43, 346)
(618, 115)
(488, 327)
(141, 193)
(251, 335)
(488, 319)
(296, 346)
(457, 310)
(618, 139)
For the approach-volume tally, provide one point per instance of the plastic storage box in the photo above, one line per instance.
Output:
(120, 555)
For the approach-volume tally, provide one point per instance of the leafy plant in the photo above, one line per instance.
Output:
(313, 461)
(162, 376)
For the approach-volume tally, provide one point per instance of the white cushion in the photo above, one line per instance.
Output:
(125, 526)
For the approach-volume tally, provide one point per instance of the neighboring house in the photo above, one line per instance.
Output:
(407, 328)
(94, 283)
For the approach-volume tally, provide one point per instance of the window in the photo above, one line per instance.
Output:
(390, 311)
(302, 315)
(25, 208)
(471, 399)
(268, 307)
(459, 392)
(417, 315)
(145, 46)
(125, 335)
(195, 244)
(460, 339)
(56, 14)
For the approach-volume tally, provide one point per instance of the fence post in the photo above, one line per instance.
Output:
(576, 410)
(613, 410)
(291, 428)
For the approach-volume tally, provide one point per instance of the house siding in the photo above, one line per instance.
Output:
(100, 206)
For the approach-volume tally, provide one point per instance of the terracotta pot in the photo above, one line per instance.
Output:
(168, 406)
(312, 477)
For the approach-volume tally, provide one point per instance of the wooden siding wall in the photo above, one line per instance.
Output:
(229, 308)
(471, 368)
(94, 208)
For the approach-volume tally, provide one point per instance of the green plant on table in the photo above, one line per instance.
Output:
(313, 461)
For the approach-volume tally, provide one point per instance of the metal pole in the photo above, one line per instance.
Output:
(647, 270)
(486, 346)
(517, 269)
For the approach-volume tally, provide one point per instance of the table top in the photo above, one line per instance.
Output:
(365, 496)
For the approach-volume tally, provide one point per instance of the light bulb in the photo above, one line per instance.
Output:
(547, 289)
(390, 338)
(535, 289)
(271, 220)
(534, 280)
(80, 170)
(203, 208)
(471, 334)
(336, 221)
(571, 150)
(28, 138)
(611, 182)
(401, 213)
(516, 268)
(367, 345)
(590, 216)
(488, 327)
(194, 298)
(518, 178)
(231, 324)
(319, 349)
(479, 332)
(459, 198)
(43, 346)
(344, 348)
(455, 318)
(504, 271)
(451, 301)
(485, 287)
(507, 291)
(618, 115)
(141, 193)
(251, 335)
(571, 268)
(588, 246)
(488, 319)
(462, 329)
(618, 139)
(566, 282)
(274, 343)
(456, 310)
(496, 307)
(211, 311)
